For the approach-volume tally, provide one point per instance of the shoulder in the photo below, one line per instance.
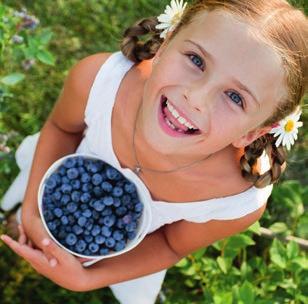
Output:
(68, 112)
(186, 237)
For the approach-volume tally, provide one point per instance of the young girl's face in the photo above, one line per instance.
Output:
(224, 80)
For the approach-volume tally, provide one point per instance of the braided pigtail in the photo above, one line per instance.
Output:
(253, 152)
(137, 50)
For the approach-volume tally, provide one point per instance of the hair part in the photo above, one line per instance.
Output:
(282, 27)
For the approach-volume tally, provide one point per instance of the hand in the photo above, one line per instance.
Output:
(60, 269)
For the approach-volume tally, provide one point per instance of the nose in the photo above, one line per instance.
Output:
(199, 96)
(200, 104)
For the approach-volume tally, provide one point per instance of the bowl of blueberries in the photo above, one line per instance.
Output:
(91, 209)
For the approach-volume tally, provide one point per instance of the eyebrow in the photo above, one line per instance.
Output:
(238, 83)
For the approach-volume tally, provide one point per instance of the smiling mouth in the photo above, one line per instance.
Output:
(188, 131)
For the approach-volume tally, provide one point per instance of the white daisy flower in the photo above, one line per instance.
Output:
(171, 17)
(287, 129)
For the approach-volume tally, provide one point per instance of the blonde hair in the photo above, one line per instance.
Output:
(281, 26)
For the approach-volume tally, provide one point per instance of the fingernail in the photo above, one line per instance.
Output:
(53, 262)
(46, 242)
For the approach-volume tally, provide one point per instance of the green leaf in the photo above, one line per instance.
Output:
(278, 227)
(182, 263)
(198, 254)
(255, 227)
(246, 293)
(12, 79)
(222, 262)
(223, 298)
(278, 254)
(301, 261)
(45, 57)
(45, 36)
(292, 250)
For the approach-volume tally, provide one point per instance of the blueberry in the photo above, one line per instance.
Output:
(95, 230)
(48, 190)
(139, 207)
(71, 207)
(58, 212)
(65, 180)
(77, 214)
(93, 247)
(110, 242)
(77, 229)
(121, 210)
(83, 207)
(69, 163)
(104, 251)
(56, 196)
(62, 170)
(117, 235)
(99, 239)
(72, 173)
(51, 183)
(108, 200)
(109, 220)
(71, 219)
(88, 238)
(96, 179)
(95, 215)
(98, 205)
(129, 187)
(119, 245)
(87, 187)
(52, 226)
(85, 177)
(48, 215)
(76, 184)
(126, 199)
(131, 235)
(117, 191)
(65, 199)
(92, 167)
(98, 191)
(106, 231)
(75, 196)
(136, 215)
(116, 202)
(111, 173)
(80, 161)
(66, 188)
(80, 246)
(87, 213)
(62, 234)
(81, 170)
(131, 227)
(64, 220)
(82, 221)
(57, 177)
(107, 211)
(127, 219)
(120, 223)
(107, 187)
(85, 197)
(71, 239)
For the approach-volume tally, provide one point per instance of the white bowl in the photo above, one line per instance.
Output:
(143, 222)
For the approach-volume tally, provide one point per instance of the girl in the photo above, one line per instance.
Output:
(228, 71)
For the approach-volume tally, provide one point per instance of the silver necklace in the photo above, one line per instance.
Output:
(137, 168)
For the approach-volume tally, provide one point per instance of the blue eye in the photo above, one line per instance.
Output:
(197, 60)
(236, 98)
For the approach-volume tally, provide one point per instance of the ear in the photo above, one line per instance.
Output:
(250, 137)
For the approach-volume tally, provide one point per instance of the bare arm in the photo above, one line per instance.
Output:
(60, 135)
(163, 248)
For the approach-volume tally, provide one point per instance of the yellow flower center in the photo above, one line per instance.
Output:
(289, 126)
(176, 18)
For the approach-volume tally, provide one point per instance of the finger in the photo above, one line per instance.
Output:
(22, 236)
(52, 249)
(34, 257)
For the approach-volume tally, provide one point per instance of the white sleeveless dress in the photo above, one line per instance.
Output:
(97, 141)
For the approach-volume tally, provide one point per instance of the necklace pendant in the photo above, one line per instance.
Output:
(137, 170)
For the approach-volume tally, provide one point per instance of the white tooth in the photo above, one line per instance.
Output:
(182, 120)
(175, 113)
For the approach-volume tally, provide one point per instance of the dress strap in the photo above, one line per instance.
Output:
(106, 84)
